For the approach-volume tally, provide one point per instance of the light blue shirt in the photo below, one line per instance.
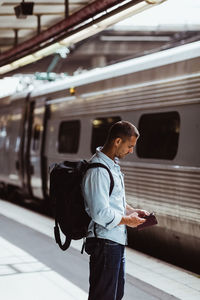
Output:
(106, 211)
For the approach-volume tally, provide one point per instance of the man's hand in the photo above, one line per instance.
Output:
(132, 220)
(141, 212)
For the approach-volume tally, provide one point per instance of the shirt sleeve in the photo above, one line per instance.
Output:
(95, 187)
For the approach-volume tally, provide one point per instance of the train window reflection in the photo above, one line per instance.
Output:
(100, 127)
(159, 135)
(69, 134)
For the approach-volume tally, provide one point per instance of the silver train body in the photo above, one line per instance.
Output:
(159, 93)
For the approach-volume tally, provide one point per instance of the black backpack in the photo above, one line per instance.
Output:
(67, 200)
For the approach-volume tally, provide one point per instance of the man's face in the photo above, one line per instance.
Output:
(125, 147)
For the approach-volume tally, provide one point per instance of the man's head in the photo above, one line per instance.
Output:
(122, 138)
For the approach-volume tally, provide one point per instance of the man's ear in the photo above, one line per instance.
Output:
(117, 141)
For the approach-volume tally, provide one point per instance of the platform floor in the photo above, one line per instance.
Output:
(33, 267)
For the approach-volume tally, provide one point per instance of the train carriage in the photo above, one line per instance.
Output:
(67, 120)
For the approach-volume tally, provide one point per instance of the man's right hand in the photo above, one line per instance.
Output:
(132, 220)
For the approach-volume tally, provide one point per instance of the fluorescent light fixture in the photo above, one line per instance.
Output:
(80, 35)
(23, 61)
(154, 1)
(47, 51)
(5, 69)
(96, 27)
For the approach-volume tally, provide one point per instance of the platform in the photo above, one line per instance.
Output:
(33, 267)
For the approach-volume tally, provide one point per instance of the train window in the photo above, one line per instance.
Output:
(159, 134)
(69, 134)
(100, 127)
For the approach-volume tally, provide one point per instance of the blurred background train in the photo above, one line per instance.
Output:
(68, 119)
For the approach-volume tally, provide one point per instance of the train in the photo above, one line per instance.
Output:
(67, 119)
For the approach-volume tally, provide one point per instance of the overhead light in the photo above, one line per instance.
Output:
(80, 35)
(24, 9)
(23, 61)
(6, 69)
(154, 1)
(47, 51)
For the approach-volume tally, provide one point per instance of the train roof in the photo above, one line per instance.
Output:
(153, 60)
(150, 61)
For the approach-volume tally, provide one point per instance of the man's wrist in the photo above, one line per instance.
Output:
(124, 220)
(129, 210)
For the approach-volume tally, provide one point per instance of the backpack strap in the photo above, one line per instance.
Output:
(67, 242)
(97, 165)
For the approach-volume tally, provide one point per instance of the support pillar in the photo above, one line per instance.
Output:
(16, 37)
(66, 9)
(38, 24)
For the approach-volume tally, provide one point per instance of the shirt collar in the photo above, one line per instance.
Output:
(111, 163)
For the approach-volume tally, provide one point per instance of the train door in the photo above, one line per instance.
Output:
(10, 139)
(36, 148)
(13, 144)
(4, 154)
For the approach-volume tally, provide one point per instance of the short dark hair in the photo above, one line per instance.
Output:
(123, 130)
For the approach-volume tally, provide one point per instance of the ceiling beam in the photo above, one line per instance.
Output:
(41, 10)
(12, 22)
(30, 22)
(9, 33)
(14, 2)
(44, 2)
(25, 27)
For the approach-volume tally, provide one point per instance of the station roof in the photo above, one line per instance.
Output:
(55, 22)
(162, 26)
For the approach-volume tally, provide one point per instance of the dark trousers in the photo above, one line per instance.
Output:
(107, 269)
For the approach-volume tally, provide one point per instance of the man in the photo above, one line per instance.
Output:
(110, 215)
